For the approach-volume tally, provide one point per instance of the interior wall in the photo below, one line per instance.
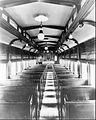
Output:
(9, 52)
(85, 51)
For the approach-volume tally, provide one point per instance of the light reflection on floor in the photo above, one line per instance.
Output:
(48, 110)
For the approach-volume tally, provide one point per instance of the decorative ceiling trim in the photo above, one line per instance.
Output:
(7, 26)
(66, 45)
(31, 49)
(62, 48)
(23, 47)
(74, 40)
(42, 45)
(46, 26)
(14, 40)
(84, 11)
(11, 3)
(46, 41)
(90, 22)
(49, 36)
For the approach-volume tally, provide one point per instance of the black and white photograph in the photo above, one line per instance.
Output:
(47, 59)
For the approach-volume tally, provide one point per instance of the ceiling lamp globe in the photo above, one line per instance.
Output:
(41, 18)
(70, 36)
(41, 35)
(46, 48)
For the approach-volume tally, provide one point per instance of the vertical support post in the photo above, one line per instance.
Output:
(16, 68)
(88, 73)
(79, 64)
(22, 60)
(58, 59)
(69, 54)
(8, 65)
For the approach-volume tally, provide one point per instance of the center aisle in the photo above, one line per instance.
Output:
(49, 108)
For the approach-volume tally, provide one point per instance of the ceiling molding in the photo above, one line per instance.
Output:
(62, 48)
(46, 41)
(14, 40)
(49, 36)
(11, 3)
(46, 26)
(72, 13)
(43, 45)
(66, 45)
(23, 47)
(90, 22)
(74, 40)
(31, 49)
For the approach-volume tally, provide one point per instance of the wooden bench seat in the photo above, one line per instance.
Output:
(71, 83)
(10, 94)
(14, 110)
(21, 82)
(80, 110)
(63, 72)
(80, 93)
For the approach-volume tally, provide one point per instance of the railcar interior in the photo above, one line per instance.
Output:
(47, 59)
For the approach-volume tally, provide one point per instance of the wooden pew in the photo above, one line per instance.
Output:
(80, 102)
(14, 110)
(71, 82)
(15, 101)
(80, 110)
(80, 93)
(15, 95)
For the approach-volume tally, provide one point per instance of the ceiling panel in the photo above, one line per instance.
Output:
(24, 14)
(70, 43)
(92, 16)
(49, 39)
(46, 31)
(18, 44)
(85, 33)
(6, 37)
(46, 43)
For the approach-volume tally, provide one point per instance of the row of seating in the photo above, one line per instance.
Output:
(77, 99)
(18, 97)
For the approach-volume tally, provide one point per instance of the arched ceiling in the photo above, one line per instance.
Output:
(63, 19)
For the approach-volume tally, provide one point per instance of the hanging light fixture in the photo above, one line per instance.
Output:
(81, 24)
(70, 36)
(27, 45)
(74, 6)
(41, 18)
(41, 34)
(46, 47)
(47, 51)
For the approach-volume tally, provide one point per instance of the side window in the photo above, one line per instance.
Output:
(72, 66)
(2, 72)
(18, 67)
(92, 74)
(13, 68)
(76, 68)
(84, 71)
(23, 62)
